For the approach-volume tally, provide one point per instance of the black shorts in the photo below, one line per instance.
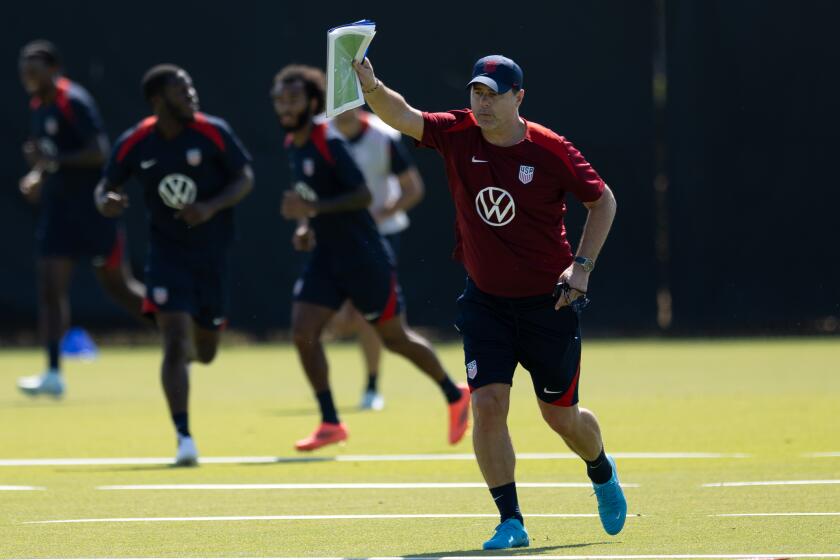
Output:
(94, 237)
(393, 240)
(189, 280)
(369, 283)
(500, 333)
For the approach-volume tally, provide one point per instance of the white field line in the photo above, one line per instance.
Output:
(823, 454)
(769, 483)
(751, 556)
(780, 514)
(73, 462)
(303, 517)
(20, 488)
(348, 486)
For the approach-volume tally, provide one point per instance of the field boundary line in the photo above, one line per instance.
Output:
(768, 483)
(347, 486)
(751, 556)
(129, 461)
(349, 517)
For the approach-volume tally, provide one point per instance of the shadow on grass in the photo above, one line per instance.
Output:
(525, 551)
(170, 467)
(313, 411)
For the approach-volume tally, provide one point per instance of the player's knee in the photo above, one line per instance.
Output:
(396, 342)
(175, 352)
(562, 420)
(304, 337)
(205, 353)
(488, 408)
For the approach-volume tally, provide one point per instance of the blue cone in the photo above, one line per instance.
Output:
(77, 343)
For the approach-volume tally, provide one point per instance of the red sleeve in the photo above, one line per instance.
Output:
(583, 181)
(586, 184)
(437, 127)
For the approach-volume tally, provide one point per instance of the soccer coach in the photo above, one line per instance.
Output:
(508, 178)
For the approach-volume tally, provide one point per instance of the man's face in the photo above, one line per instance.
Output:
(36, 75)
(180, 98)
(292, 105)
(493, 110)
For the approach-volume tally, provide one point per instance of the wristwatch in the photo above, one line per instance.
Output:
(585, 263)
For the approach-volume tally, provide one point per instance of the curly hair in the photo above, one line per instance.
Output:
(313, 79)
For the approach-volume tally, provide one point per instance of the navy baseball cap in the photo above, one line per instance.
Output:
(497, 72)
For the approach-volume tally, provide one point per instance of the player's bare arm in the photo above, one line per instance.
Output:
(199, 212)
(389, 105)
(598, 223)
(111, 200)
(294, 206)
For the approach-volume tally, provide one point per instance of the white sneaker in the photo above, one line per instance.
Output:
(187, 455)
(372, 400)
(50, 383)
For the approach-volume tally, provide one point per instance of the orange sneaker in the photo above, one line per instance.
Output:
(325, 434)
(459, 415)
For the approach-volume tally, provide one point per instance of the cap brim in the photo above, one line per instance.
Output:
(491, 83)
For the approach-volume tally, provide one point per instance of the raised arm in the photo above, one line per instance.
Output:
(389, 105)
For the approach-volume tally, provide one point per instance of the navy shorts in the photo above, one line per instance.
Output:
(370, 284)
(500, 333)
(393, 240)
(189, 280)
(67, 234)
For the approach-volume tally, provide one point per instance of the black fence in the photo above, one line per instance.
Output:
(749, 136)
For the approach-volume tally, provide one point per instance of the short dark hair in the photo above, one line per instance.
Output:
(313, 79)
(157, 77)
(42, 50)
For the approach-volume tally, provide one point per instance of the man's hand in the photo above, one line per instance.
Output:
(294, 207)
(364, 70)
(303, 238)
(578, 281)
(111, 203)
(196, 213)
(383, 213)
(30, 185)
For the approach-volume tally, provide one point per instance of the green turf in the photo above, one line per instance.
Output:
(774, 400)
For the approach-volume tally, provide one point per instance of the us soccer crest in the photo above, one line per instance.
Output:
(160, 295)
(51, 126)
(526, 174)
(194, 157)
(308, 166)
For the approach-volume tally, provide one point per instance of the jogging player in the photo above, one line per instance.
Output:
(508, 178)
(396, 187)
(66, 149)
(193, 170)
(350, 260)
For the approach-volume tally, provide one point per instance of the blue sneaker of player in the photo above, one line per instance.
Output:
(510, 533)
(612, 507)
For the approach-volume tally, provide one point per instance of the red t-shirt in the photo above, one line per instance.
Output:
(510, 202)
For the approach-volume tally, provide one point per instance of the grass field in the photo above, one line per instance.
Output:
(758, 409)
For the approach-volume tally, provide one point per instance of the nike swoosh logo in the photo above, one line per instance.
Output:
(474, 160)
(147, 164)
(497, 498)
(549, 392)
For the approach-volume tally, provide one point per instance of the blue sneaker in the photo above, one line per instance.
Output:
(612, 507)
(510, 533)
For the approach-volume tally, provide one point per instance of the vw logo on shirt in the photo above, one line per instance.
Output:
(495, 206)
(177, 190)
